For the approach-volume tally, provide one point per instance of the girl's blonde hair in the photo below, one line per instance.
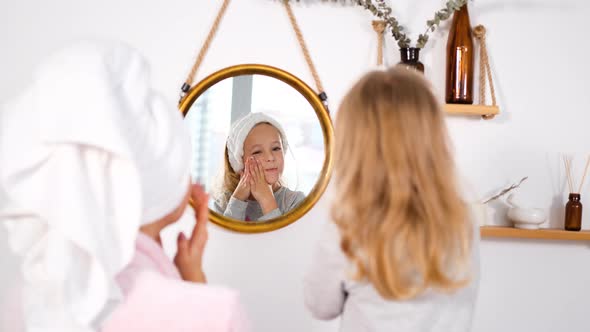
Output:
(403, 223)
(229, 182)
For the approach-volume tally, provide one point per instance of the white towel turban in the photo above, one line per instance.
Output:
(240, 130)
(88, 153)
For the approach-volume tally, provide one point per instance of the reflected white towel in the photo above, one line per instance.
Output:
(240, 130)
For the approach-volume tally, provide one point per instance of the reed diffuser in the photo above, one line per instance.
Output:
(573, 207)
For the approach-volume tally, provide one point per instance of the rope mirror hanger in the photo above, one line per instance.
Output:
(188, 83)
(318, 177)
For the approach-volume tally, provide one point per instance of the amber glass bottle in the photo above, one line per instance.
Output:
(460, 55)
(573, 213)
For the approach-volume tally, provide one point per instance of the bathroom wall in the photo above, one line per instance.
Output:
(541, 74)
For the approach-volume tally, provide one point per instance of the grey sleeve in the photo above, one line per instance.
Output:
(217, 208)
(292, 201)
(298, 197)
(272, 214)
(235, 209)
(323, 286)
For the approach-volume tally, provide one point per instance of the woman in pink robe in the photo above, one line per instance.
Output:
(151, 283)
(102, 169)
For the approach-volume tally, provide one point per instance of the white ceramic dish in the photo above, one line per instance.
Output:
(525, 217)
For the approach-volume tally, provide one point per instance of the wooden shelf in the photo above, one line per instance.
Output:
(543, 233)
(487, 112)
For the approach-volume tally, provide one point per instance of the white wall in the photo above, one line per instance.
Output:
(540, 62)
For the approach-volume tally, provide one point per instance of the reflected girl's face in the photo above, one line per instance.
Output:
(264, 144)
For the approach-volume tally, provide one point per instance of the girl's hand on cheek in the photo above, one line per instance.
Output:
(242, 191)
(260, 189)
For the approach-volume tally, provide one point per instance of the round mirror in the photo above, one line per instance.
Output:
(262, 146)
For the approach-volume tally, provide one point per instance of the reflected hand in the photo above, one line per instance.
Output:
(261, 190)
(189, 257)
(242, 191)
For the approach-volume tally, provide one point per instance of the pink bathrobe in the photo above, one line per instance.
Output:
(157, 299)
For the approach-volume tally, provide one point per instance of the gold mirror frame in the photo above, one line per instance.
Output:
(327, 130)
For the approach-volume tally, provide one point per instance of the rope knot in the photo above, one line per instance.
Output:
(484, 68)
(479, 32)
(379, 26)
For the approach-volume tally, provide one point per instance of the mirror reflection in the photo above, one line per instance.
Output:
(258, 147)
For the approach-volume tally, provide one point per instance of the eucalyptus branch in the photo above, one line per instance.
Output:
(383, 11)
(506, 190)
(439, 16)
(380, 9)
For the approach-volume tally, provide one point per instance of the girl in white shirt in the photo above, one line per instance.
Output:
(402, 251)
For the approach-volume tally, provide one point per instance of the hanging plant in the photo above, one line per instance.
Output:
(380, 9)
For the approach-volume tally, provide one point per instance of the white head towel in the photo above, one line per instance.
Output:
(88, 153)
(240, 130)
